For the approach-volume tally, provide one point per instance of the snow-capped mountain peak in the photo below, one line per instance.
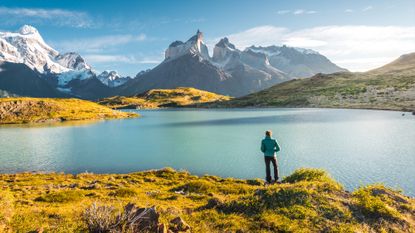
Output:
(26, 46)
(225, 53)
(194, 46)
(296, 62)
(112, 78)
(27, 29)
(72, 60)
(224, 43)
(278, 50)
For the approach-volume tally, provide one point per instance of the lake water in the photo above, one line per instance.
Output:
(356, 146)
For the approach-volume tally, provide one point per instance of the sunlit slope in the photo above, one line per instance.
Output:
(389, 87)
(34, 110)
(157, 98)
(307, 201)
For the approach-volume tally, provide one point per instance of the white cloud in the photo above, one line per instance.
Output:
(58, 17)
(349, 11)
(96, 44)
(263, 35)
(100, 58)
(296, 12)
(357, 48)
(368, 8)
(299, 12)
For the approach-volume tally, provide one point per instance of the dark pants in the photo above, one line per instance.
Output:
(272, 160)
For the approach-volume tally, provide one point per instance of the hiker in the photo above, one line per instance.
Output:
(269, 147)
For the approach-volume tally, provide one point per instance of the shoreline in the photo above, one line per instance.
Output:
(271, 107)
(184, 171)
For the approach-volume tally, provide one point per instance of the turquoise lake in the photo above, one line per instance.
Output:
(356, 147)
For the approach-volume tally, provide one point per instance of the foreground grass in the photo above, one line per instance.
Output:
(307, 201)
(158, 98)
(34, 110)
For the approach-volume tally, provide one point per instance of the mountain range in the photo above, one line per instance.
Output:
(229, 71)
(391, 86)
(26, 59)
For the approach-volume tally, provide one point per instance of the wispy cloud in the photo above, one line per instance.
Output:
(110, 58)
(354, 47)
(57, 17)
(349, 11)
(296, 12)
(368, 8)
(96, 44)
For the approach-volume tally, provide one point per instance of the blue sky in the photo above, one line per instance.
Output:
(129, 36)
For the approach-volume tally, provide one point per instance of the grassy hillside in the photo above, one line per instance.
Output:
(34, 110)
(307, 201)
(389, 87)
(157, 98)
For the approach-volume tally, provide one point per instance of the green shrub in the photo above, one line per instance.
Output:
(298, 212)
(373, 206)
(268, 199)
(197, 186)
(272, 198)
(60, 197)
(124, 192)
(309, 174)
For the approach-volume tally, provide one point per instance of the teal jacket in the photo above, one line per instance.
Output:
(269, 146)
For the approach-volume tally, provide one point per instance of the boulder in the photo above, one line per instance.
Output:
(179, 225)
(139, 219)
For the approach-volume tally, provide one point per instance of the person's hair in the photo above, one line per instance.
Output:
(268, 133)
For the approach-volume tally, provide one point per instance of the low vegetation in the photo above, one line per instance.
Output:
(35, 110)
(306, 201)
(159, 98)
(390, 87)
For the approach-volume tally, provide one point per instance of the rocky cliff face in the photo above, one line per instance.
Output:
(72, 61)
(193, 46)
(18, 79)
(297, 62)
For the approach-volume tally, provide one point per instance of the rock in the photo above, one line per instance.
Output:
(413, 113)
(140, 219)
(179, 225)
(213, 203)
(91, 186)
(74, 185)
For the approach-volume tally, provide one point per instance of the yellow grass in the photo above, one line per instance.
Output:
(157, 98)
(34, 110)
(307, 201)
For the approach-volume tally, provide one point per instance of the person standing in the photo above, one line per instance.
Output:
(269, 146)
